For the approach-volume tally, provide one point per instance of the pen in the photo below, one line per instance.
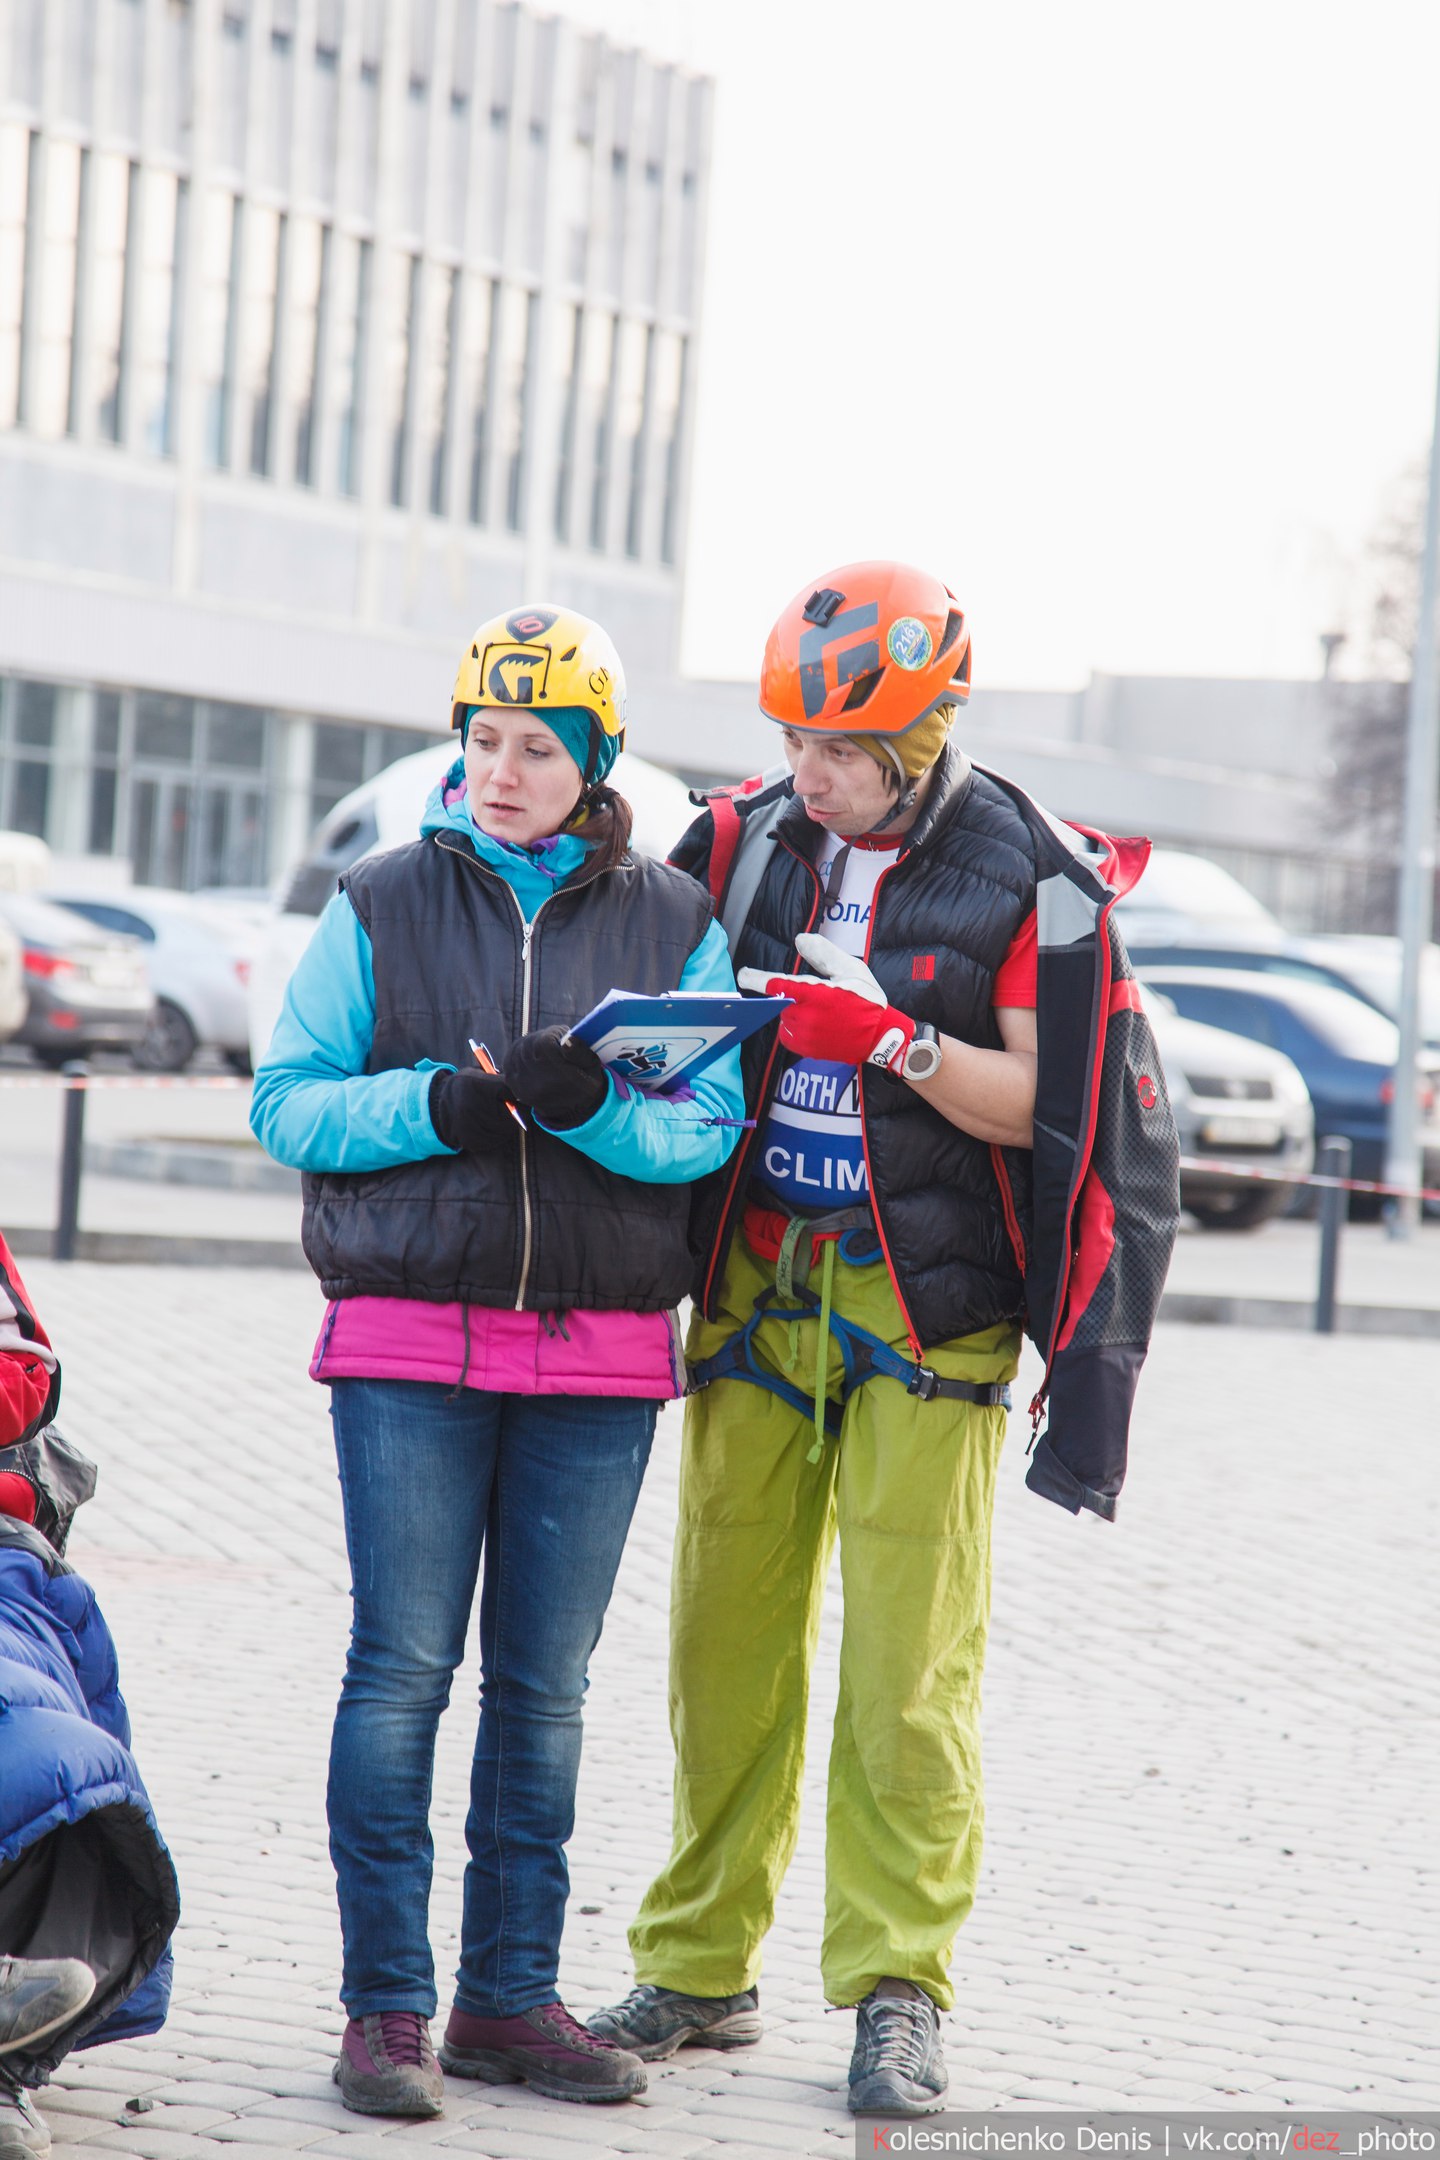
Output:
(487, 1064)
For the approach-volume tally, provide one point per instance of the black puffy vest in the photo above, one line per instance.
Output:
(944, 916)
(545, 1229)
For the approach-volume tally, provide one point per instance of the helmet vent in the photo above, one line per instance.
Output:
(823, 605)
(862, 690)
(568, 655)
(954, 624)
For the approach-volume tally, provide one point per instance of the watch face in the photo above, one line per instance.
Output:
(922, 1059)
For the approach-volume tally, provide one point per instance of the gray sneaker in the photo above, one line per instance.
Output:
(38, 1996)
(897, 2067)
(387, 2066)
(653, 2022)
(23, 2134)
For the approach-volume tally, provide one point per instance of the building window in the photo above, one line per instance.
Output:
(27, 743)
(602, 341)
(280, 96)
(481, 372)
(436, 386)
(260, 242)
(570, 346)
(104, 772)
(310, 247)
(232, 102)
(636, 347)
(14, 201)
(49, 397)
(162, 199)
(401, 376)
(219, 322)
(671, 365)
(324, 122)
(125, 75)
(111, 196)
(347, 373)
(512, 395)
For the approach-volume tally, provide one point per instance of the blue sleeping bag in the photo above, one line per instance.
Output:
(84, 1871)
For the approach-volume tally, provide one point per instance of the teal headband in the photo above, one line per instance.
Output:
(594, 752)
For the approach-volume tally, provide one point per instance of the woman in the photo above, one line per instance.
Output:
(503, 1251)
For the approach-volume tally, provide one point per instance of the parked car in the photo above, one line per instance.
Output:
(1370, 966)
(1345, 1050)
(88, 989)
(198, 977)
(13, 1001)
(1239, 1107)
(385, 813)
(1185, 896)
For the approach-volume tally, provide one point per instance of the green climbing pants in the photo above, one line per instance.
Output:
(909, 1487)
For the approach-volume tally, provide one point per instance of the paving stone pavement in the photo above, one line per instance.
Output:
(1211, 1730)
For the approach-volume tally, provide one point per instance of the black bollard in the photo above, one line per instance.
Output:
(1332, 1159)
(72, 1145)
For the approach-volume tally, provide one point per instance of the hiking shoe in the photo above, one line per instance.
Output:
(545, 2048)
(654, 2021)
(38, 1996)
(387, 2065)
(22, 2131)
(897, 2067)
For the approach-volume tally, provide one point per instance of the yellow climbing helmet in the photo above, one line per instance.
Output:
(556, 663)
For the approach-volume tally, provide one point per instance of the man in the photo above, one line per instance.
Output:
(969, 1134)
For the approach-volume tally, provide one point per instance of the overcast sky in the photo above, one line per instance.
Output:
(1120, 316)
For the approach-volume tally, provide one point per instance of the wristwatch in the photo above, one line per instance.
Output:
(922, 1058)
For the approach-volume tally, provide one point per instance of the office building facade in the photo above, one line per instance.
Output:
(327, 328)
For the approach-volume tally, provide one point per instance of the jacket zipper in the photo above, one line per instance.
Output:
(743, 1155)
(527, 934)
(910, 1328)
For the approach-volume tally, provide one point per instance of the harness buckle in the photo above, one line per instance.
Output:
(925, 1383)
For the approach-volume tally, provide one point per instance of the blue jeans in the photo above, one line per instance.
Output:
(547, 1484)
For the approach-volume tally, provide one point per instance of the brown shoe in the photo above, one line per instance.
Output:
(387, 2066)
(544, 2048)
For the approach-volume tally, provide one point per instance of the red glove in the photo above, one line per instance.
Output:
(840, 1014)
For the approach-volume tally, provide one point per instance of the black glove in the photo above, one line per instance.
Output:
(468, 1110)
(564, 1083)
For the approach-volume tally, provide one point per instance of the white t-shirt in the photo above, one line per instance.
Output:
(812, 1152)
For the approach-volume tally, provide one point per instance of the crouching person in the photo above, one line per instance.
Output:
(88, 1898)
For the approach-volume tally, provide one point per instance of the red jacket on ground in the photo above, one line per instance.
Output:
(29, 1382)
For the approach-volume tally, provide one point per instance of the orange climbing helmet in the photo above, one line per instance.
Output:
(871, 648)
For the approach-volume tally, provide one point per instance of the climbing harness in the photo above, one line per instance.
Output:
(851, 1232)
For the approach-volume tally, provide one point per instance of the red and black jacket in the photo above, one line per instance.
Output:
(1073, 1235)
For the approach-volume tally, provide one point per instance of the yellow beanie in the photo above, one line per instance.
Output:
(917, 749)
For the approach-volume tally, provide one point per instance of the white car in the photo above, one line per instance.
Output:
(385, 813)
(199, 975)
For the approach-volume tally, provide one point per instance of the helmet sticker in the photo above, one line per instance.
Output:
(909, 643)
(515, 674)
(527, 624)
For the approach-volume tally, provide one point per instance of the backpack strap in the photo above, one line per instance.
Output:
(743, 845)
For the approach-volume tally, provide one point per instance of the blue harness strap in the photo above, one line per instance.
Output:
(862, 1353)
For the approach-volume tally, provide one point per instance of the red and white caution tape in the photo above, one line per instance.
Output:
(60, 1083)
(1308, 1177)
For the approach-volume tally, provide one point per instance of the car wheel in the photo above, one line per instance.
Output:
(55, 1060)
(239, 1062)
(169, 1042)
(1239, 1211)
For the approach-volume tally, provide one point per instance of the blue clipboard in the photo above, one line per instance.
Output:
(655, 1043)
